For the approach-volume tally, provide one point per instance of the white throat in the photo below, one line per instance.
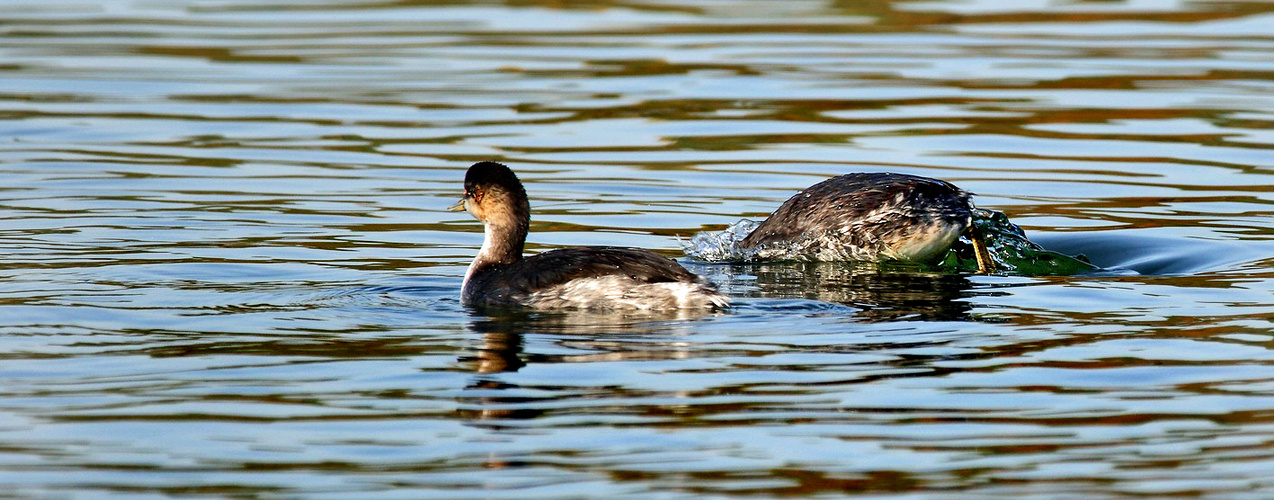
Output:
(484, 254)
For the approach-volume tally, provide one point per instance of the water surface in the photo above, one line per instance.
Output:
(226, 268)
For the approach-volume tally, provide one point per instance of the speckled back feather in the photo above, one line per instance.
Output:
(865, 216)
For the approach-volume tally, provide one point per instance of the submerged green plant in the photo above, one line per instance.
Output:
(1012, 251)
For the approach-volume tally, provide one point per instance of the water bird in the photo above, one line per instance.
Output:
(593, 277)
(870, 216)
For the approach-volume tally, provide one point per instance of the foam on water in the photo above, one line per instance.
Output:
(722, 246)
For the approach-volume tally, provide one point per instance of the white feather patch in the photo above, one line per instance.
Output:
(621, 292)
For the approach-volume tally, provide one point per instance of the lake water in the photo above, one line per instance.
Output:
(228, 272)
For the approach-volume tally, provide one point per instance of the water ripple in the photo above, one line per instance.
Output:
(226, 268)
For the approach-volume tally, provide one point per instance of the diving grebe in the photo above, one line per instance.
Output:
(598, 278)
(870, 216)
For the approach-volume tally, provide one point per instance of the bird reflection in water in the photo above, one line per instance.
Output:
(500, 352)
(881, 291)
(877, 292)
(583, 336)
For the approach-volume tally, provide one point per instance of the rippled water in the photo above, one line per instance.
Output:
(228, 272)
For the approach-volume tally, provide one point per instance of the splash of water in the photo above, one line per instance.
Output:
(1009, 247)
(722, 246)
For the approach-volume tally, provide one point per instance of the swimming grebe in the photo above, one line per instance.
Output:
(598, 278)
(870, 216)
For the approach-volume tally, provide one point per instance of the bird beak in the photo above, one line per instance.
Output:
(458, 207)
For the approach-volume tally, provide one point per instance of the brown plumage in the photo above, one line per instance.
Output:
(867, 216)
(600, 278)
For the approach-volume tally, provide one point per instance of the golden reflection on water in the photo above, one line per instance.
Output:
(226, 268)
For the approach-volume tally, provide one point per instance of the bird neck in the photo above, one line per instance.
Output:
(502, 243)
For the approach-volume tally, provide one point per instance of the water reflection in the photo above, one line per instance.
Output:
(226, 269)
(499, 352)
(880, 292)
(579, 337)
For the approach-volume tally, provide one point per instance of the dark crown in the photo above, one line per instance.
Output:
(486, 174)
